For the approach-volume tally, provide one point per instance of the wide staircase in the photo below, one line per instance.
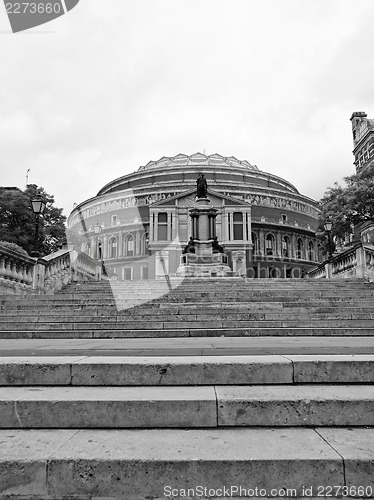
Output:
(194, 308)
(152, 427)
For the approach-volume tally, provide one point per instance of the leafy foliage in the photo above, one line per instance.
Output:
(17, 220)
(346, 207)
(14, 247)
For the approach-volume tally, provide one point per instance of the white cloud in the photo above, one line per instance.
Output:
(117, 83)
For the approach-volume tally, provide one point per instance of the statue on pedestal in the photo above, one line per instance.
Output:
(190, 247)
(202, 186)
(217, 248)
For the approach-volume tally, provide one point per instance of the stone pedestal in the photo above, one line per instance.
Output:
(203, 261)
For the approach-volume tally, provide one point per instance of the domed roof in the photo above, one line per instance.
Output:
(197, 159)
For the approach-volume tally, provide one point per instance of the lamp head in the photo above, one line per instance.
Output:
(38, 205)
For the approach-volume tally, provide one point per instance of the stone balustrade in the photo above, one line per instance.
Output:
(369, 262)
(317, 272)
(355, 262)
(23, 275)
(346, 263)
(16, 272)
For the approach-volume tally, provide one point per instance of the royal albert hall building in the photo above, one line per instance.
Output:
(141, 220)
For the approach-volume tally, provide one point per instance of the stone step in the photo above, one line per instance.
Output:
(196, 293)
(187, 316)
(185, 370)
(59, 333)
(112, 307)
(192, 308)
(193, 324)
(201, 295)
(165, 463)
(167, 300)
(220, 283)
(200, 292)
(64, 407)
(260, 284)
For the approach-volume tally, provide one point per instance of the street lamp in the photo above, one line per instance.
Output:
(328, 227)
(38, 206)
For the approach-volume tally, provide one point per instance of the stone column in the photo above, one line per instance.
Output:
(155, 228)
(168, 237)
(137, 242)
(360, 262)
(278, 239)
(261, 242)
(174, 226)
(195, 226)
(203, 227)
(151, 228)
(104, 248)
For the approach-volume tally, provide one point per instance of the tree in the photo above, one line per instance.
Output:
(17, 220)
(346, 207)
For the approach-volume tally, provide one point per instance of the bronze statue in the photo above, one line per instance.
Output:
(217, 248)
(190, 247)
(202, 186)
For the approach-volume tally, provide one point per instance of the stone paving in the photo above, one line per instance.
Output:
(185, 346)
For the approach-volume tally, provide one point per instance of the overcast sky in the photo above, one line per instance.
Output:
(114, 84)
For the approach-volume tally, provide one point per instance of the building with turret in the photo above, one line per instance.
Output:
(140, 223)
(363, 140)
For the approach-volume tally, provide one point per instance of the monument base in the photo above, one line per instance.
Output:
(204, 265)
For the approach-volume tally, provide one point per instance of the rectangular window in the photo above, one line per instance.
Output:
(162, 226)
(127, 273)
(238, 225)
(128, 246)
(144, 272)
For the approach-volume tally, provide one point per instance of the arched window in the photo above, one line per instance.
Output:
(269, 244)
(129, 245)
(311, 252)
(300, 248)
(256, 248)
(113, 248)
(286, 246)
(143, 244)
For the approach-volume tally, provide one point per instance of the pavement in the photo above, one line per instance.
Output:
(186, 346)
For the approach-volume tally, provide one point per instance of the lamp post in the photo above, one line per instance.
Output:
(328, 227)
(38, 206)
